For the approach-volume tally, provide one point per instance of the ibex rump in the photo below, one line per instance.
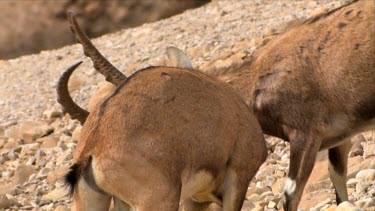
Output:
(166, 135)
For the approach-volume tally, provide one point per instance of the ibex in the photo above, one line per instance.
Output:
(314, 86)
(167, 135)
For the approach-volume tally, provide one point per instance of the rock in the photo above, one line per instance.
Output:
(352, 182)
(311, 4)
(321, 204)
(352, 174)
(74, 84)
(316, 186)
(4, 202)
(372, 164)
(361, 187)
(248, 205)
(22, 174)
(29, 149)
(254, 198)
(63, 157)
(347, 206)
(367, 174)
(57, 174)
(265, 194)
(9, 123)
(254, 189)
(49, 114)
(30, 131)
(56, 194)
(48, 141)
(7, 174)
(62, 208)
(272, 205)
(318, 12)
(76, 133)
(197, 52)
(365, 203)
(12, 132)
(331, 208)
(369, 149)
(43, 173)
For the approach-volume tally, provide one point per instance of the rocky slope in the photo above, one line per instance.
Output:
(30, 26)
(36, 141)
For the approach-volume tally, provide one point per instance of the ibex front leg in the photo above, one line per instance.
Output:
(303, 151)
(338, 161)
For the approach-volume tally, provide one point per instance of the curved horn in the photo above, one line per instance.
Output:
(65, 100)
(101, 64)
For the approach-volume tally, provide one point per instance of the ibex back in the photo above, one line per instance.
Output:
(166, 135)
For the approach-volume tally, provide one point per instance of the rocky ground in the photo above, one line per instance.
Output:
(37, 141)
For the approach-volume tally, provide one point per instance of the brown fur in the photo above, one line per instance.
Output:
(166, 135)
(314, 86)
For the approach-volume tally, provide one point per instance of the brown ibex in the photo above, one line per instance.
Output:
(314, 86)
(166, 135)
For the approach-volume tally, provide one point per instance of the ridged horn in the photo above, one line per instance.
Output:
(64, 98)
(101, 64)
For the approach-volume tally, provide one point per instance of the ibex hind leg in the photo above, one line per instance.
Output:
(191, 205)
(303, 152)
(120, 205)
(89, 199)
(241, 170)
(338, 161)
(163, 198)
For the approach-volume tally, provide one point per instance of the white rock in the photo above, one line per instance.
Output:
(363, 174)
(347, 206)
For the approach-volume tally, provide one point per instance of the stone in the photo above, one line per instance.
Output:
(367, 174)
(352, 174)
(316, 186)
(318, 12)
(7, 174)
(4, 202)
(254, 189)
(48, 141)
(254, 198)
(272, 205)
(352, 182)
(265, 194)
(49, 114)
(22, 174)
(43, 173)
(30, 131)
(57, 174)
(331, 208)
(29, 149)
(248, 205)
(65, 156)
(76, 134)
(347, 206)
(369, 149)
(61, 208)
(365, 203)
(320, 205)
(360, 187)
(56, 194)
(372, 164)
